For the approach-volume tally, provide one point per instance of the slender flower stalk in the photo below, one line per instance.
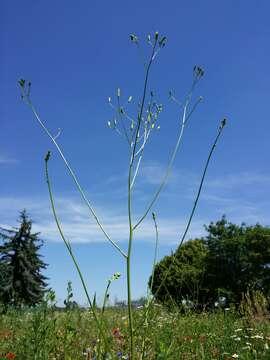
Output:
(69, 248)
(130, 183)
(26, 97)
(151, 285)
(185, 118)
(220, 129)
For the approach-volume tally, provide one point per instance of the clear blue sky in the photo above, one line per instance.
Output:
(76, 55)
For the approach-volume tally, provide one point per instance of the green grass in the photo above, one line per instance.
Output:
(47, 334)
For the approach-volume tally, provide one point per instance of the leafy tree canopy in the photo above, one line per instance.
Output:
(225, 263)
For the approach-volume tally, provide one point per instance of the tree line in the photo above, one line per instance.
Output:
(224, 264)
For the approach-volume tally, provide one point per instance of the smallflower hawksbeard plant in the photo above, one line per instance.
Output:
(135, 129)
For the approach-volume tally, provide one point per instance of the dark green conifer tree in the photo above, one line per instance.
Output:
(21, 280)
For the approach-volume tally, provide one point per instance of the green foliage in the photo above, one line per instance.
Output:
(184, 271)
(21, 281)
(69, 302)
(226, 263)
(44, 333)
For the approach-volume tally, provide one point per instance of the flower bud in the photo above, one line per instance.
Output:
(48, 155)
(162, 41)
(21, 82)
(223, 123)
(134, 38)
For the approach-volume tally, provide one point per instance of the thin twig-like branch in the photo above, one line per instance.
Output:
(74, 177)
(221, 127)
(68, 246)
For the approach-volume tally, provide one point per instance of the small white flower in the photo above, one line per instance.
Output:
(237, 330)
(257, 337)
(235, 356)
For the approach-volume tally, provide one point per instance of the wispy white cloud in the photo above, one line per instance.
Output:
(4, 159)
(153, 173)
(234, 181)
(79, 227)
(221, 195)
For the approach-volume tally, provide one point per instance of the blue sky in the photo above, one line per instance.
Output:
(77, 54)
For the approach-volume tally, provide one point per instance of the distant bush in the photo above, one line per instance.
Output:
(226, 263)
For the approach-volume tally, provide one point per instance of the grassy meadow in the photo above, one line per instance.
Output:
(46, 333)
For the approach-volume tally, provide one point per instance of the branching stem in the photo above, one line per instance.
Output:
(74, 177)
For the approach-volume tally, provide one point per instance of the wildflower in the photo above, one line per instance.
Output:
(119, 354)
(257, 337)
(202, 338)
(235, 356)
(116, 332)
(5, 334)
(188, 338)
(10, 355)
(237, 330)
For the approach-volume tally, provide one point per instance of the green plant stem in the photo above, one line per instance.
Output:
(155, 255)
(185, 117)
(128, 259)
(68, 246)
(151, 286)
(221, 127)
(71, 172)
(105, 297)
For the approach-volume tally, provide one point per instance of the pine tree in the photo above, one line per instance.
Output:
(21, 280)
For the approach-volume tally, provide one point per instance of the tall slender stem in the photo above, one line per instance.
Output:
(130, 241)
(221, 127)
(68, 246)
